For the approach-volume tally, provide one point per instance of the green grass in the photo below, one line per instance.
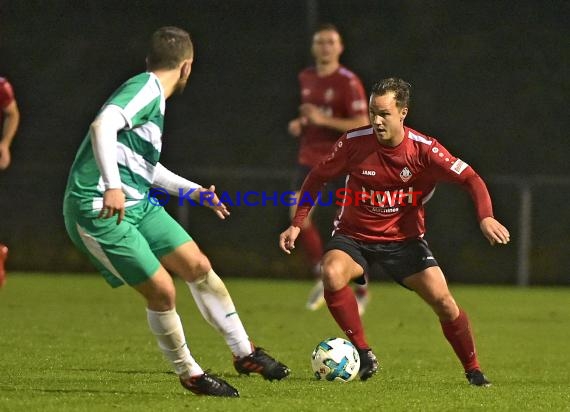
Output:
(70, 343)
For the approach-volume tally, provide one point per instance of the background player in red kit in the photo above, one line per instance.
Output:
(392, 171)
(332, 101)
(9, 121)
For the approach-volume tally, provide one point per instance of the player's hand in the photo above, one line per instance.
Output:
(287, 239)
(312, 114)
(209, 198)
(4, 156)
(494, 231)
(113, 204)
(295, 127)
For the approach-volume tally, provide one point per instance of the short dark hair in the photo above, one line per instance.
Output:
(168, 47)
(401, 89)
(326, 26)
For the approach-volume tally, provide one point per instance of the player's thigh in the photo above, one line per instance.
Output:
(158, 290)
(431, 286)
(174, 247)
(118, 251)
(401, 260)
(338, 269)
(162, 232)
(187, 261)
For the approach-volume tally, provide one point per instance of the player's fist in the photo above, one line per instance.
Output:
(287, 239)
(295, 127)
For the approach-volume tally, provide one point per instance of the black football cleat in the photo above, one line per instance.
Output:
(260, 362)
(475, 377)
(368, 364)
(210, 385)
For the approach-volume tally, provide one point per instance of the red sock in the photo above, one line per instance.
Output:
(311, 243)
(458, 333)
(344, 309)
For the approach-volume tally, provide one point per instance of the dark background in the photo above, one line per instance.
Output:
(490, 81)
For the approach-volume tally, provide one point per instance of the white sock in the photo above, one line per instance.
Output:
(217, 307)
(167, 328)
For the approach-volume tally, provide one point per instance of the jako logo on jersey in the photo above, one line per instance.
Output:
(329, 95)
(405, 174)
(368, 173)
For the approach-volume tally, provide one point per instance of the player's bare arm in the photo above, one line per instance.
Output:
(287, 239)
(494, 231)
(8, 132)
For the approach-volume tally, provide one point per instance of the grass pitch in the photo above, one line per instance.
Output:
(70, 343)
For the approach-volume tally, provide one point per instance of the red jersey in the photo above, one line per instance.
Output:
(386, 187)
(339, 94)
(6, 97)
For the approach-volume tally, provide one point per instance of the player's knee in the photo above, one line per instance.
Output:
(333, 275)
(162, 298)
(445, 307)
(200, 266)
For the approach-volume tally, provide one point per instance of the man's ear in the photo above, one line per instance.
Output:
(186, 68)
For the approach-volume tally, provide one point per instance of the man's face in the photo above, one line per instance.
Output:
(385, 116)
(327, 46)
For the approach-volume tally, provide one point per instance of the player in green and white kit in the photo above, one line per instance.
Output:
(132, 241)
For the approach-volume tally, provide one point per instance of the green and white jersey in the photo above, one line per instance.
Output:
(141, 102)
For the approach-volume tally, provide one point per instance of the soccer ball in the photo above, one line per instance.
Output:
(335, 359)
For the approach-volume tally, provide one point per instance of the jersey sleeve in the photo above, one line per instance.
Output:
(334, 165)
(137, 100)
(447, 167)
(356, 104)
(6, 94)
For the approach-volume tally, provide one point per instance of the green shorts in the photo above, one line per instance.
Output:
(127, 253)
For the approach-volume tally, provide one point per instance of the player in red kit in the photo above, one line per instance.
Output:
(9, 121)
(332, 101)
(391, 173)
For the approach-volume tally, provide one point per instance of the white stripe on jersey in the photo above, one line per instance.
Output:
(97, 251)
(151, 133)
(129, 191)
(358, 133)
(147, 93)
(428, 196)
(135, 162)
(418, 138)
(337, 220)
(97, 202)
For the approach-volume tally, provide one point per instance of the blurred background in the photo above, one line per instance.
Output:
(490, 82)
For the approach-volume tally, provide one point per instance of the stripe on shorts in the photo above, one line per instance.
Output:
(97, 251)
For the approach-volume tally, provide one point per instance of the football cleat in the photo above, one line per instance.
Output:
(475, 377)
(207, 384)
(3, 257)
(316, 296)
(260, 362)
(368, 364)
